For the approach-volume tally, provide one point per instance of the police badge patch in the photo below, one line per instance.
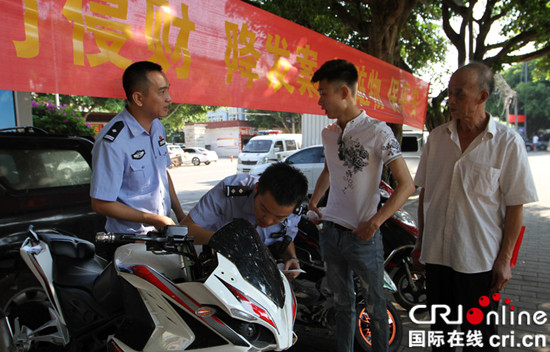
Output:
(162, 141)
(138, 154)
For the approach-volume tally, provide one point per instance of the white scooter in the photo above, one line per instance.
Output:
(154, 296)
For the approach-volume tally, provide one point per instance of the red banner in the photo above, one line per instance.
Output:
(214, 52)
(512, 118)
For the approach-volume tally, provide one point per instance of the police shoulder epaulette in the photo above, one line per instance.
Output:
(237, 191)
(114, 131)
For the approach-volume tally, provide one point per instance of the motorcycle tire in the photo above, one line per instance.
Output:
(363, 333)
(30, 305)
(406, 295)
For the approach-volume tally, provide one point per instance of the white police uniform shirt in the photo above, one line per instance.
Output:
(129, 166)
(216, 209)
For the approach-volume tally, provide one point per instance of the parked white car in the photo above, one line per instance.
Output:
(174, 151)
(310, 161)
(199, 155)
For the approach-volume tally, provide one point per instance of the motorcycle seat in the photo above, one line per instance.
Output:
(69, 272)
(71, 247)
(74, 261)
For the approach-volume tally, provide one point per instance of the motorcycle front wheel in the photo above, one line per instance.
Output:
(410, 294)
(29, 308)
(363, 335)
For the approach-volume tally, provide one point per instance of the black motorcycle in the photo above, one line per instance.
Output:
(399, 235)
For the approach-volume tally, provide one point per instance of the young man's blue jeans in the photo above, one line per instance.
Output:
(344, 254)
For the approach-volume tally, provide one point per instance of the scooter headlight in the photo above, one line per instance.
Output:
(252, 307)
(406, 220)
(242, 314)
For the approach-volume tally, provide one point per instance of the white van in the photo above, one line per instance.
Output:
(267, 149)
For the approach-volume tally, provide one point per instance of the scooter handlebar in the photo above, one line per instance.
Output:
(119, 238)
(168, 235)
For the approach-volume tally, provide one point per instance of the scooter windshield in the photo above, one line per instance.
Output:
(239, 242)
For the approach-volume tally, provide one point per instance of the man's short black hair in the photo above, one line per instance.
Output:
(287, 185)
(337, 70)
(135, 77)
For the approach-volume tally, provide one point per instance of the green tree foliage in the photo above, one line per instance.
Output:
(533, 97)
(178, 115)
(399, 32)
(62, 120)
(174, 122)
(467, 23)
(276, 120)
(542, 68)
(84, 104)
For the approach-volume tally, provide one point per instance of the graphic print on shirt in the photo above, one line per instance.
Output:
(354, 156)
(392, 146)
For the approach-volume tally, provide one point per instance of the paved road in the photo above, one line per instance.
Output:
(528, 291)
(191, 182)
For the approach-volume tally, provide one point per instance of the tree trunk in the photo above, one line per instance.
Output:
(388, 20)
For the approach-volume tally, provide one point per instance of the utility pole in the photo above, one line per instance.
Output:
(516, 110)
(526, 70)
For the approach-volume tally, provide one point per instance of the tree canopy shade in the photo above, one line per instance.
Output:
(402, 33)
(405, 33)
(523, 27)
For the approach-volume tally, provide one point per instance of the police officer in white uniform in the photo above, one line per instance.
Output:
(270, 202)
(130, 182)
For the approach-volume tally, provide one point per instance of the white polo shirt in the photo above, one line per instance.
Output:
(466, 194)
(355, 162)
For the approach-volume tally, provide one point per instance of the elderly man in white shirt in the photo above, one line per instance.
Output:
(475, 178)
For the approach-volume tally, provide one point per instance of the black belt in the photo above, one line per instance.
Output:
(340, 227)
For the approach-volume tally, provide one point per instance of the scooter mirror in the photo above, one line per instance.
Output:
(175, 231)
(32, 233)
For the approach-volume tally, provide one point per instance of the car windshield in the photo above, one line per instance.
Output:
(30, 168)
(257, 146)
(239, 242)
